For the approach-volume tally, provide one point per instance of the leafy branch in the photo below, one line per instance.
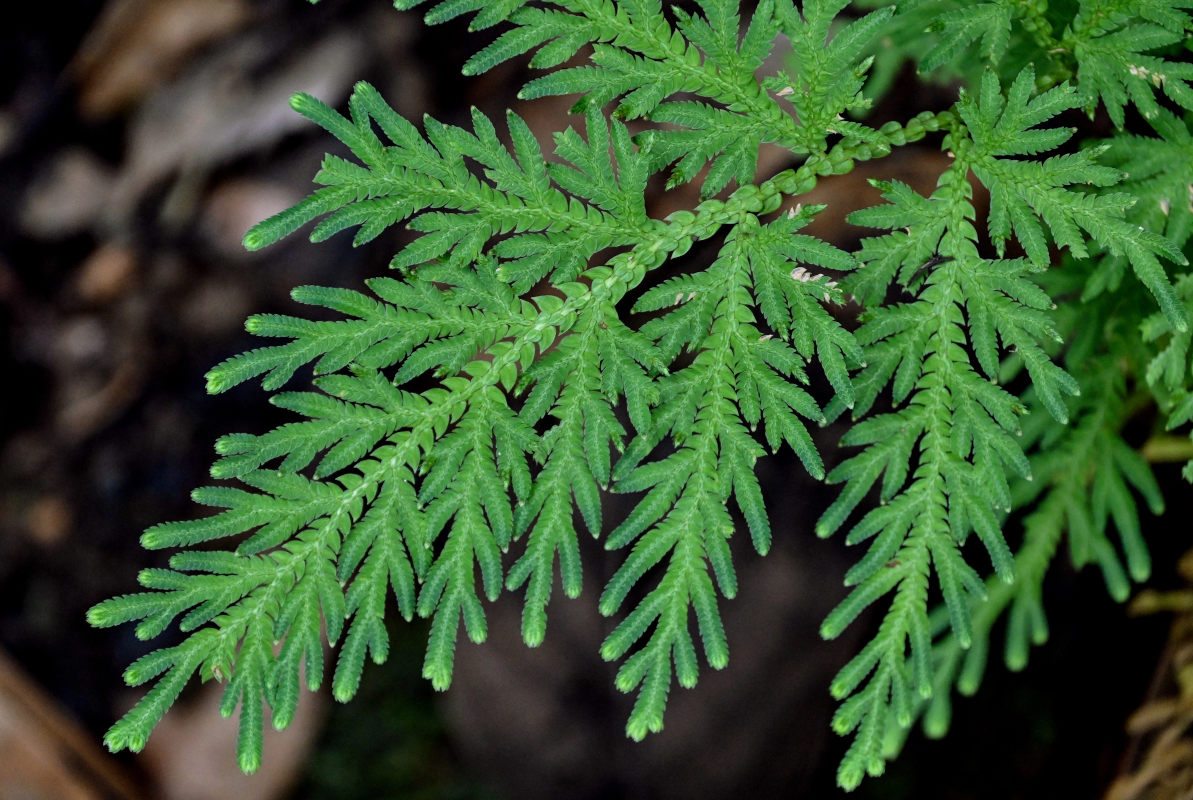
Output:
(945, 457)
(531, 353)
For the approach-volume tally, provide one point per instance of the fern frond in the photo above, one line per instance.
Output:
(585, 377)
(945, 455)
(831, 70)
(642, 57)
(987, 23)
(1065, 502)
(740, 377)
(384, 489)
(959, 39)
(434, 483)
(1164, 200)
(1024, 193)
(1112, 44)
(525, 359)
(428, 180)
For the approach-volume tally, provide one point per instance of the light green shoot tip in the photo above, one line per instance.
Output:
(254, 239)
(301, 101)
(215, 382)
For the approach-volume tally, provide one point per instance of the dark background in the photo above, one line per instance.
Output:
(139, 139)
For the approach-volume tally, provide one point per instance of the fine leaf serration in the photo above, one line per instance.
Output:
(545, 339)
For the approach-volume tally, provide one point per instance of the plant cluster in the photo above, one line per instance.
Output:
(529, 353)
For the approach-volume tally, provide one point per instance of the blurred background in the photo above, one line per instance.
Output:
(139, 139)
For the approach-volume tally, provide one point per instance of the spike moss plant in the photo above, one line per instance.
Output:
(541, 340)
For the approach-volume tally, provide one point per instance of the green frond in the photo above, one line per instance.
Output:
(381, 488)
(956, 30)
(1026, 193)
(1060, 500)
(641, 59)
(1116, 63)
(831, 70)
(452, 420)
(946, 455)
(738, 378)
(176, 666)
(405, 180)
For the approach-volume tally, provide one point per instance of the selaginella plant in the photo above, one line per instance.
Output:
(525, 356)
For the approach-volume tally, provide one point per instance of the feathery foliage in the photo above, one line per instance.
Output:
(545, 339)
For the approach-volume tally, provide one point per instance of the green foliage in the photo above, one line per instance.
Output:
(546, 340)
